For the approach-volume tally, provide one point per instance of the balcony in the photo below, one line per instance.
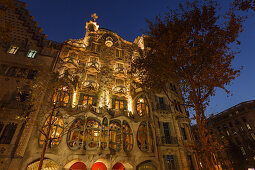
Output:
(119, 71)
(120, 90)
(169, 140)
(93, 66)
(90, 85)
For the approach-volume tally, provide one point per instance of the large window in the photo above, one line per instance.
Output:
(75, 135)
(166, 133)
(8, 133)
(56, 128)
(92, 133)
(183, 132)
(119, 104)
(127, 136)
(62, 96)
(141, 107)
(86, 99)
(170, 162)
(145, 137)
(104, 133)
(115, 135)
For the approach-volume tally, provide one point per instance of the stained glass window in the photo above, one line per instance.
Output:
(104, 133)
(62, 96)
(127, 136)
(145, 137)
(115, 135)
(75, 135)
(56, 130)
(141, 107)
(92, 133)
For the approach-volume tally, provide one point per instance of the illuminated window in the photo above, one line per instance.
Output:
(85, 99)
(56, 130)
(119, 53)
(183, 132)
(104, 133)
(119, 104)
(145, 137)
(115, 135)
(141, 107)
(127, 137)
(13, 50)
(62, 96)
(31, 54)
(75, 135)
(92, 134)
(8, 133)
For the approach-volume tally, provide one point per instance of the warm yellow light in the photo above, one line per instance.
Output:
(129, 102)
(74, 99)
(101, 99)
(107, 96)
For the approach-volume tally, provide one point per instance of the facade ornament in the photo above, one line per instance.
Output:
(94, 17)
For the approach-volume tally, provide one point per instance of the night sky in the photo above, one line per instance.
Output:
(65, 19)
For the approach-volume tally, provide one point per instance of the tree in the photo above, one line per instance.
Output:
(245, 5)
(193, 46)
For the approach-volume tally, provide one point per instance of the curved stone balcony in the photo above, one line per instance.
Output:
(93, 66)
(119, 71)
(120, 90)
(90, 85)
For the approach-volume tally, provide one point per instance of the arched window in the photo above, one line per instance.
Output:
(141, 107)
(56, 130)
(147, 165)
(127, 137)
(92, 134)
(104, 133)
(145, 137)
(61, 97)
(115, 135)
(76, 133)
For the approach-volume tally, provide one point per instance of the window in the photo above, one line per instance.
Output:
(13, 50)
(141, 107)
(95, 47)
(127, 136)
(62, 96)
(115, 135)
(170, 162)
(145, 137)
(85, 99)
(119, 53)
(104, 133)
(119, 104)
(56, 130)
(31, 54)
(8, 133)
(119, 82)
(183, 132)
(92, 134)
(173, 88)
(166, 135)
(75, 135)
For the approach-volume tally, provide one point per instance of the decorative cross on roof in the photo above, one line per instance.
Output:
(94, 17)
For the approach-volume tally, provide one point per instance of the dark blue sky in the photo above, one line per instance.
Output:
(64, 19)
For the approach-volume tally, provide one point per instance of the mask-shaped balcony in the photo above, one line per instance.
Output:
(93, 66)
(119, 71)
(120, 90)
(90, 85)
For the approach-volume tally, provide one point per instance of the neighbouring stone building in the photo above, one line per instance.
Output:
(235, 128)
(102, 120)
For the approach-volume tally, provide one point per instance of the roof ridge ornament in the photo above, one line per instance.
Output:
(94, 17)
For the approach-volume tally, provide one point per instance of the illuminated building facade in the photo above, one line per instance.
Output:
(103, 121)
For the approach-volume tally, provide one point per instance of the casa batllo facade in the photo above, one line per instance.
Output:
(102, 120)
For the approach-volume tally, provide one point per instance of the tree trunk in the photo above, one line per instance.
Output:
(46, 139)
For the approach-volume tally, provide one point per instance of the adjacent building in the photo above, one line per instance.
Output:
(102, 120)
(235, 129)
